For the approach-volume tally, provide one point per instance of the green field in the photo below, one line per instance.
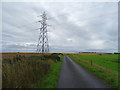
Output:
(103, 66)
(109, 62)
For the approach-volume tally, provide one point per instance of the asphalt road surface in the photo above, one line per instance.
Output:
(74, 76)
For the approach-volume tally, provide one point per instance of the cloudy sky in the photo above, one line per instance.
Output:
(76, 26)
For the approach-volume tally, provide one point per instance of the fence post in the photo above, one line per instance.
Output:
(91, 62)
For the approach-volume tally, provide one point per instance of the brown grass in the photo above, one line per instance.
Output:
(11, 55)
(25, 73)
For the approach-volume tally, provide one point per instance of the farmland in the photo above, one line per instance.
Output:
(22, 70)
(37, 70)
(12, 54)
(104, 66)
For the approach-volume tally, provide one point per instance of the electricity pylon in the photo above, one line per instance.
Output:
(43, 46)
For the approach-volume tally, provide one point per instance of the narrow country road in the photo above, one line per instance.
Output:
(74, 76)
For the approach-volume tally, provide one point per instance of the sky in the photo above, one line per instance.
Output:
(75, 26)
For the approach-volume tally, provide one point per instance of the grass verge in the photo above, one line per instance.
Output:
(51, 79)
(27, 72)
(110, 80)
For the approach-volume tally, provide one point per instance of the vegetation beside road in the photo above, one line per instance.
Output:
(51, 79)
(103, 66)
(29, 71)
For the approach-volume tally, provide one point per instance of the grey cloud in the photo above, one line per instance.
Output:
(75, 26)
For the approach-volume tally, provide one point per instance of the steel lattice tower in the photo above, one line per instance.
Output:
(43, 46)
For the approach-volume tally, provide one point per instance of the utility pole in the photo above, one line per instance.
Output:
(43, 46)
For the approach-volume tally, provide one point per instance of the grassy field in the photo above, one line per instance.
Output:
(110, 62)
(103, 66)
(29, 71)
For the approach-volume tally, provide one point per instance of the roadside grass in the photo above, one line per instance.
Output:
(51, 79)
(26, 72)
(23, 74)
(111, 80)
